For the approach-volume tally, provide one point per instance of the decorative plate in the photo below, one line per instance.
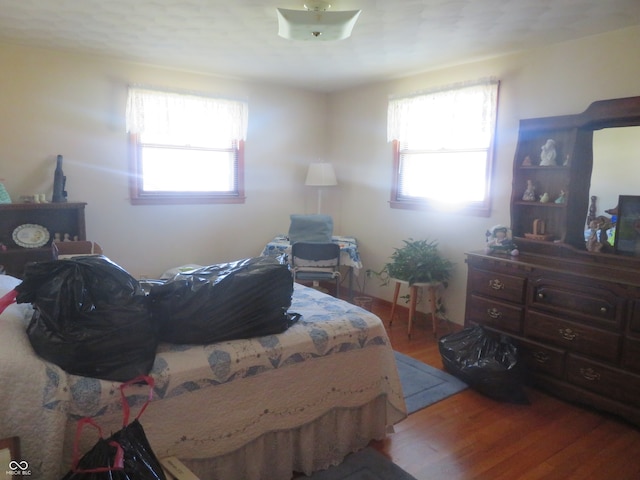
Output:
(31, 235)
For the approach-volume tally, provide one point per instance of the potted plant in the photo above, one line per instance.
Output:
(418, 261)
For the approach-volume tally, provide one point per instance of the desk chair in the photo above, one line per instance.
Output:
(315, 262)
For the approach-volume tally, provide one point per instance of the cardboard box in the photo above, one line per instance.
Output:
(62, 250)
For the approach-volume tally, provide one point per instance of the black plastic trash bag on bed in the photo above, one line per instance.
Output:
(485, 362)
(90, 317)
(242, 299)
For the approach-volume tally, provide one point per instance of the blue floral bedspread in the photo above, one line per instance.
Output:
(327, 326)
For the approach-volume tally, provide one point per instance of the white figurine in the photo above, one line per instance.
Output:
(548, 154)
(530, 193)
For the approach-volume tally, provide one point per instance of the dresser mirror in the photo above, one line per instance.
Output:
(616, 166)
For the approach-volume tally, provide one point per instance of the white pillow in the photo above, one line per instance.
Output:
(8, 283)
(310, 228)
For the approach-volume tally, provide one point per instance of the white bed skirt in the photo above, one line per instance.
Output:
(309, 448)
(314, 413)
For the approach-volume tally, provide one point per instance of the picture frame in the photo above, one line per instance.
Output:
(627, 241)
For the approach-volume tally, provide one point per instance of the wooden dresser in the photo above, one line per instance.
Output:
(576, 323)
(55, 217)
(575, 314)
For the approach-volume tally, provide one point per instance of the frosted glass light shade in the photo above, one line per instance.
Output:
(321, 175)
(316, 25)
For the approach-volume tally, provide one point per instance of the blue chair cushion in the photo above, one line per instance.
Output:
(310, 228)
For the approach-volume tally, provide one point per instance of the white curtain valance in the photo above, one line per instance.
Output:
(461, 116)
(185, 119)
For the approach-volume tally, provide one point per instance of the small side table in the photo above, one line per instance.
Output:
(413, 300)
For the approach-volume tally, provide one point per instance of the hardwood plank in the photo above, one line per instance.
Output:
(469, 436)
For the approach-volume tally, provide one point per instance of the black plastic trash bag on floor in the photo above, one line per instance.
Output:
(90, 317)
(485, 362)
(125, 455)
(105, 460)
(242, 299)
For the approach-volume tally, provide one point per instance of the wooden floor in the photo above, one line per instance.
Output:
(469, 436)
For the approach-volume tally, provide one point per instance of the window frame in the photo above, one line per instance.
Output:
(183, 123)
(479, 209)
(474, 208)
(138, 196)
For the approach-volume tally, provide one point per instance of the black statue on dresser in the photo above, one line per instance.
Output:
(59, 182)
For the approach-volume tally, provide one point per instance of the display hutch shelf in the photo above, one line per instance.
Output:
(55, 217)
(560, 222)
(573, 135)
(574, 314)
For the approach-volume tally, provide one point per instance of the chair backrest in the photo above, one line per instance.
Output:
(326, 253)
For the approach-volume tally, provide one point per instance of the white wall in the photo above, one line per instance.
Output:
(58, 103)
(562, 79)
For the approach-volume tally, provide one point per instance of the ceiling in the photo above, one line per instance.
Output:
(238, 38)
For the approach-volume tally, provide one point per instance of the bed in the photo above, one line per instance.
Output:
(248, 409)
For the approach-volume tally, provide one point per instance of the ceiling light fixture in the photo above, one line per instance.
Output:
(316, 23)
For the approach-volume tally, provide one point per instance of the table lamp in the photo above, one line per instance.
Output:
(320, 175)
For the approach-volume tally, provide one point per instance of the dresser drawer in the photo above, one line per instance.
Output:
(605, 380)
(573, 336)
(541, 358)
(634, 323)
(496, 285)
(499, 315)
(597, 306)
(631, 353)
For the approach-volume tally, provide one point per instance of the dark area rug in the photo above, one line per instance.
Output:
(424, 385)
(366, 464)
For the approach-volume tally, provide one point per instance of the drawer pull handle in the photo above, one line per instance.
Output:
(496, 284)
(541, 296)
(494, 313)
(541, 357)
(603, 310)
(590, 374)
(567, 334)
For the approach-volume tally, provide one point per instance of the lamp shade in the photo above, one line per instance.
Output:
(321, 175)
(316, 25)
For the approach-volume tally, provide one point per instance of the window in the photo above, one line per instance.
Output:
(185, 148)
(443, 148)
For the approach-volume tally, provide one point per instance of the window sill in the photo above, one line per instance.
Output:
(186, 199)
(477, 210)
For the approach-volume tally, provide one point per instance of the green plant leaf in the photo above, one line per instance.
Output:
(417, 261)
